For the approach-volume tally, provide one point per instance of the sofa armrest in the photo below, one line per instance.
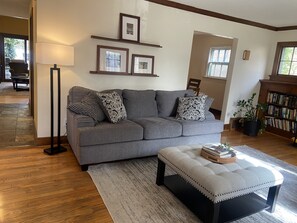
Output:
(79, 121)
(209, 116)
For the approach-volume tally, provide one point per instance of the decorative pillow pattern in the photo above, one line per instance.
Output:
(191, 108)
(113, 106)
(88, 106)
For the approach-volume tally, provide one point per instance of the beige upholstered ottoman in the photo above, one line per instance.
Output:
(218, 192)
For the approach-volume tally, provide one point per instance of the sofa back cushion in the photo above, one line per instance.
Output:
(140, 103)
(88, 106)
(77, 93)
(167, 101)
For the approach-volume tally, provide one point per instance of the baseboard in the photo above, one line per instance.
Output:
(227, 127)
(47, 140)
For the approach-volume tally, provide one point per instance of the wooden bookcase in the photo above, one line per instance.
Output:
(281, 99)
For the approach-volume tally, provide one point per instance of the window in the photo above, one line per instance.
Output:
(285, 62)
(15, 47)
(218, 62)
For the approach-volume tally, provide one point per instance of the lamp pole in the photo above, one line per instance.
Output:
(58, 149)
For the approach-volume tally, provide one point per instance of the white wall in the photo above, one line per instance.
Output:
(71, 22)
(15, 9)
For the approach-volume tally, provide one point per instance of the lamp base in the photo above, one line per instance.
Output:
(55, 150)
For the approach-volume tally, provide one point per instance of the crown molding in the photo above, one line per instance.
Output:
(220, 16)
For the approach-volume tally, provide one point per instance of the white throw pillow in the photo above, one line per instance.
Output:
(113, 106)
(191, 108)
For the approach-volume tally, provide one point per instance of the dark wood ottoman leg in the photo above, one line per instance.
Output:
(272, 197)
(160, 173)
(216, 212)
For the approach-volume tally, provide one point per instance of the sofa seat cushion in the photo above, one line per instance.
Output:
(191, 128)
(106, 132)
(159, 128)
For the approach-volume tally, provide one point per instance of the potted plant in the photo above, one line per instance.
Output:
(251, 114)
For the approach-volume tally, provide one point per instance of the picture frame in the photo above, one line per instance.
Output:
(112, 60)
(129, 27)
(142, 64)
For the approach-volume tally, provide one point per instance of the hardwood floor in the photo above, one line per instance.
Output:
(268, 143)
(35, 187)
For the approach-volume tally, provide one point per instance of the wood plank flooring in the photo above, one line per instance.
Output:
(35, 187)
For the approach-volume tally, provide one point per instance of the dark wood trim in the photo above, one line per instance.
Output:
(125, 41)
(122, 15)
(286, 79)
(286, 28)
(47, 140)
(278, 53)
(114, 48)
(122, 74)
(227, 127)
(133, 64)
(220, 16)
(31, 61)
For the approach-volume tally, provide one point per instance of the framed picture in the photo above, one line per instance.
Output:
(129, 27)
(142, 64)
(112, 59)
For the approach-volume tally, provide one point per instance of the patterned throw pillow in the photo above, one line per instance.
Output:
(113, 106)
(191, 108)
(88, 106)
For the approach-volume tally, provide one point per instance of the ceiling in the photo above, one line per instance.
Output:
(277, 13)
(15, 8)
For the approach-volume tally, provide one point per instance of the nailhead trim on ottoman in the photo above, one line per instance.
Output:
(220, 182)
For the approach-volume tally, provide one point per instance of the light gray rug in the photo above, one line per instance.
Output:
(129, 191)
(6, 89)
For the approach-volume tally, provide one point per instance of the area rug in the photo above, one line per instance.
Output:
(130, 193)
(6, 89)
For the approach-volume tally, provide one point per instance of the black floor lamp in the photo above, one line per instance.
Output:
(54, 54)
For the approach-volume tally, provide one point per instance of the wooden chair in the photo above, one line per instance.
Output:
(194, 85)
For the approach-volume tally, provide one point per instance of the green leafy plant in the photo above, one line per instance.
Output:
(248, 110)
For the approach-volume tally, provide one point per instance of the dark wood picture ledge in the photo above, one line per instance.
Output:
(126, 41)
(123, 74)
(221, 16)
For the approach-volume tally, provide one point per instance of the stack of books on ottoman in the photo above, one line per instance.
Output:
(218, 153)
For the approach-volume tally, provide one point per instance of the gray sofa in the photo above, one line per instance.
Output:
(150, 126)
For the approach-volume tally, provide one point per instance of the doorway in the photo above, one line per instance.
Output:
(16, 123)
(212, 59)
(14, 48)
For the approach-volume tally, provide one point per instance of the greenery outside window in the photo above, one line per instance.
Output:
(218, 62)
(285, 62)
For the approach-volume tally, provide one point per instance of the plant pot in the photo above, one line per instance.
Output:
(251, 128)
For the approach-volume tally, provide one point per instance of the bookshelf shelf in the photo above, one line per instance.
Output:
(281, 115)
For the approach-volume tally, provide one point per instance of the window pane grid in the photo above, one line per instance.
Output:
(288, 61)
(218, 62)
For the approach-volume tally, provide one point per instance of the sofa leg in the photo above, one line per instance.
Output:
(84, 167)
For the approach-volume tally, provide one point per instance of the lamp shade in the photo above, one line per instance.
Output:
(47, 53)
